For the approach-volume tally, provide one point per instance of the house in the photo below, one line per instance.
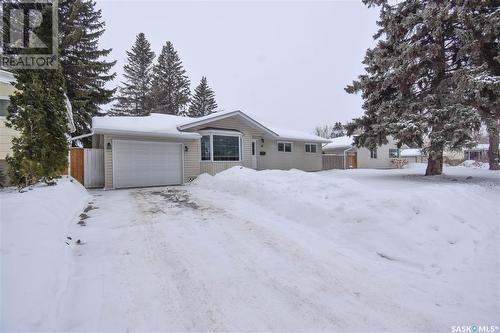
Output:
(7, 134)
(413, 155)
(165, 149)
(364, 158)
(477, 153)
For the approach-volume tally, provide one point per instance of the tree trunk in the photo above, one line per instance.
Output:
(493, 152)
(435, 161)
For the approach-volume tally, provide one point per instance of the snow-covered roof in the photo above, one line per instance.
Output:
(175, 126)
(155, 124)
(6, 77)
(480, 146)
(286, 134)
(340, 142)
(410, 152)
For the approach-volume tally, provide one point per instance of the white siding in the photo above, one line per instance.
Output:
(191, 157)
(297, 159)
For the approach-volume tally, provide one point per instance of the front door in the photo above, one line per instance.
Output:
(254, 154)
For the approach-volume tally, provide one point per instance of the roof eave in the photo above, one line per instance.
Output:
(109, 131)
(226, 115)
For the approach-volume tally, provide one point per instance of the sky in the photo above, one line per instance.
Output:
(284, 63)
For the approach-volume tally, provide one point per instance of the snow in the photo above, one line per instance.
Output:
(340, 142)
(36, 261)
(410, 152)
(168, 126)
(474, 164)
(246, 250)
(155, 124)
(287, 134)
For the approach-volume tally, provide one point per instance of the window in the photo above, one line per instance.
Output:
(373, 153)
(205, 148)
(4, 104)
(226, 148)
(285, 147)
(310, 147)
(393, 153)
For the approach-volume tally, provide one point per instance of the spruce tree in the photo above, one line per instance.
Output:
(38, 112)
(170, 88)
(337, 130)
(134, 99)
(410, 85)
(479, 80)
(85, 71)
(203, 102)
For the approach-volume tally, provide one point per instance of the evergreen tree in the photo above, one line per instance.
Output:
(479, 81)
(85, 72)
(337, 130)
(203, 101)
(134, 99)
(409, 89)
(38, 112)
(170, 88)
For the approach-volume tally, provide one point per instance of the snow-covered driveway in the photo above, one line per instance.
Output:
(288, 251)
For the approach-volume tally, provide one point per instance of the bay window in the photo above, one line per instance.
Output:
(226, 148)
(220, 146)
(205, 148)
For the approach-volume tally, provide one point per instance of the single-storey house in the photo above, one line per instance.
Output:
(162, 149)
(478, 152)
(413, 155)
(377, 158)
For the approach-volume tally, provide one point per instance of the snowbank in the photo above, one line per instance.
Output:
(474, 164)
(34, 255)
(423, 251)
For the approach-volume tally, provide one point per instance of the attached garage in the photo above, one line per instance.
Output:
(147, 163)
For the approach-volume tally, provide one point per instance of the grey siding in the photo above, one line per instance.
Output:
(191, 157)
(234, 123)
(297, 159)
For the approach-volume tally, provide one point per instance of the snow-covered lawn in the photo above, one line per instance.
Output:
(356, 250)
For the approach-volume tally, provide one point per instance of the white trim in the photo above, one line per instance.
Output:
(186, 135)
(254, 155)
(288, 152)
(220, 132)
(4, 97)
(7, 77)
(211, 133)
(216, 117)
(311, 144)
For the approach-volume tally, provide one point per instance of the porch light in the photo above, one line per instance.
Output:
(108, 146)
(186, 149)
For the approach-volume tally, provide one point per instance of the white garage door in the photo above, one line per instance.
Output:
(143, 163)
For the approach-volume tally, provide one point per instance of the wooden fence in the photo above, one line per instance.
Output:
(336, 161)
(333, 161)
(87, 166)
(93, 168)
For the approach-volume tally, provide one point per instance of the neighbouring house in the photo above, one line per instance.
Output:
(413, 155)
(7, 81)
(363, 158)
(6, 134)
(477, 153)
(164, 149)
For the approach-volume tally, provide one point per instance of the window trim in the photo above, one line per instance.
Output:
(284, 142)
(311, 144)
(211, 133)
